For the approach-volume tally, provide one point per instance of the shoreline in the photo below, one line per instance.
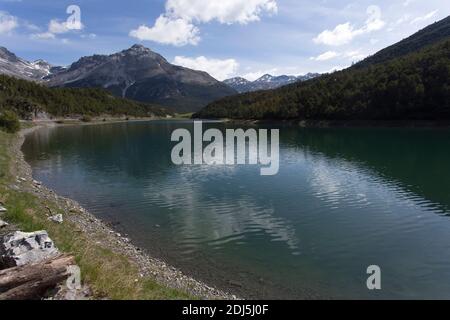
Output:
(423, 124)
(88, 224)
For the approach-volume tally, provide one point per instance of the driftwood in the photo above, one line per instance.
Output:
(33, 281)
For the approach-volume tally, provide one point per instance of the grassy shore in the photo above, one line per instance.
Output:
(107, 273)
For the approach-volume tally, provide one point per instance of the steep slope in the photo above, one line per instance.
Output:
(239, 84)
(14, 66)
(143, 75)
(29, 99)
(433, 33)
(414, 86)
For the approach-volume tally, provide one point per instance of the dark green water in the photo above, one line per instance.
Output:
(344, 199)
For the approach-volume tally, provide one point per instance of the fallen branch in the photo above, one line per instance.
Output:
(33, 281)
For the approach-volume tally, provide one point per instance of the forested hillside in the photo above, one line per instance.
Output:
(25, 98)
(413, 86)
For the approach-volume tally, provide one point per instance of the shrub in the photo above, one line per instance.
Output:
(86, 118)
(9, 121)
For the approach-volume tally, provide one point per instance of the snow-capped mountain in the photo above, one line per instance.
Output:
(308, 76)
(238, 81)
(17, 67)
(266, 82)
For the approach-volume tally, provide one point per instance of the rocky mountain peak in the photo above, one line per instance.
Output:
(138, 49)
(266, 82)
(265, 78)
(8, 55)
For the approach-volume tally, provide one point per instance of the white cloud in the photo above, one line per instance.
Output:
(88, 36)
(224, 11)
(219, 69)
(7, 22)
(326, 56)
(344, 33)
(355, 56)
(30, 26)
(254, 75)
(57, 27)
(177, 32)
(341, 34)
(43, 35)
(374, 22)
(404, 18)
(336, 68)
(178, 25)
(425, 17)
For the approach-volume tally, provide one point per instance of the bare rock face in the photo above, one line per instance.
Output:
(14, 66)
(141, 74)
(21, 248)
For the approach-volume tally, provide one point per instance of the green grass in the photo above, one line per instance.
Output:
(184, 115)
(108, 274)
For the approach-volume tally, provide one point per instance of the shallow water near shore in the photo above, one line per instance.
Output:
(344, 199)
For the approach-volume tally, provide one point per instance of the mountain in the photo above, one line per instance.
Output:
(29, 99)
(140, 74)
(433, 33)
(266, 82)
(14, 66)
(411, 86)
(239, 84)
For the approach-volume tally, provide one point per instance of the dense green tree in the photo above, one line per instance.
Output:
(9, 121)
(26, 98)
(411, 87)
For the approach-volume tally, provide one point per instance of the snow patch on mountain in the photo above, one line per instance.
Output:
(266, 82)
(17, 67)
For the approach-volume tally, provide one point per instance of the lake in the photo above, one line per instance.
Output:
(344, 199)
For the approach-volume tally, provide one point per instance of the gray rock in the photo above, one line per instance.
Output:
(2, 209)
(21, 248)
(57, 218)
(3, 224)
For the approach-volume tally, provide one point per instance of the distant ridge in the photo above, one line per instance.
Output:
(265, 82)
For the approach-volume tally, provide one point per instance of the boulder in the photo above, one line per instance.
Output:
(57, 218)
(2, 223)
(21, 248)
(2, 209)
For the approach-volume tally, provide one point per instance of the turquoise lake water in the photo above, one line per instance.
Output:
(343, 199)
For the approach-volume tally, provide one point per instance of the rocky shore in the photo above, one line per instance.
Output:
(86, 223)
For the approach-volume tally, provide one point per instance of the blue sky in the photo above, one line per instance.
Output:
(225, 37)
